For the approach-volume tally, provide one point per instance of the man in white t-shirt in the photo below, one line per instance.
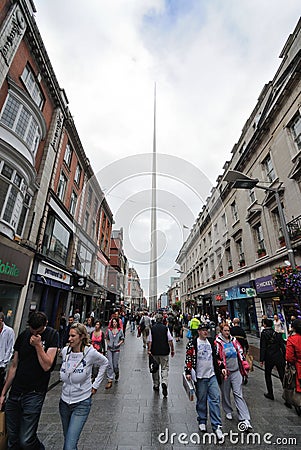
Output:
(201, 366)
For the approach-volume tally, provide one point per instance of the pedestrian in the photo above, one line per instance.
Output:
(145, 326)
(89, 324)
(65, 339)
(7, 339)
(78, 359)
(160, 345)
(278, 325)
(132, 321)
(193, 326)
(234, 369)
(114, 338)
(293, 351)
(35, 352)
(76, 316)
(98, 340)
(178, 327)
(62, 328)
(272, 353)
(239, 333)
(201, 366)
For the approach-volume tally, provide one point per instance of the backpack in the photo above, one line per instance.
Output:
(142, 325)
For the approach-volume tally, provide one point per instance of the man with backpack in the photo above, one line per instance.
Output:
(272, 353)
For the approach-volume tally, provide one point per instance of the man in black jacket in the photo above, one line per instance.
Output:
(160, 344)
(272, 353)
(202, 367)
(239, 333)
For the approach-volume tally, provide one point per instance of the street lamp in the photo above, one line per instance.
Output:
(241, 181)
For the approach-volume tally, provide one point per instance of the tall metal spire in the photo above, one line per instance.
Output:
(153, 253)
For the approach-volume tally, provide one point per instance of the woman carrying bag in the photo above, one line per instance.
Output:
(234, 369)
(293, 355)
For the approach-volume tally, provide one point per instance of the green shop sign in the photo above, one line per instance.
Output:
(14, 265)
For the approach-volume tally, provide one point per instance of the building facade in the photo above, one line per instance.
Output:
(229, 259)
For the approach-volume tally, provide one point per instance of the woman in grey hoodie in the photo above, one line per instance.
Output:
(76, 370)
(114, 338)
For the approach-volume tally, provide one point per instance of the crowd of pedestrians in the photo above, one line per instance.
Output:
(215, 361)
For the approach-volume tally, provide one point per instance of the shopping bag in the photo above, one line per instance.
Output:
(249, 359)
(289, 386)
(153, 365)
(3, 435)
(138, 331)
(188, 386)
(189, 334)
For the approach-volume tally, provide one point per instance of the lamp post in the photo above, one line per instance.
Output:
(241, 181)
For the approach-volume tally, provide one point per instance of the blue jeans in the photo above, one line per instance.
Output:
(22, 419)
(207, 390)
(73, 419)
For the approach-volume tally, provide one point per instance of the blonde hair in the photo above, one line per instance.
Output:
(82, 331)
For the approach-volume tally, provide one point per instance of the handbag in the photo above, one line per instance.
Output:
(249, 359)
(188, 386)
(153, 365)
(3, 434)
(289, 386)
(138, 331)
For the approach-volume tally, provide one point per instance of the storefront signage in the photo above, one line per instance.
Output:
(264, 284)
(14, 265)
(237, 292)
(49, 271)
(11, 35)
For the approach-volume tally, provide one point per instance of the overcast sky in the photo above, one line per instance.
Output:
(209, 59)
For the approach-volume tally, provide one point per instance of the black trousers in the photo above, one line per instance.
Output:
(268, 367)
(2, 378)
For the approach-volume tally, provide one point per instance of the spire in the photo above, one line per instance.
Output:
(153, 250)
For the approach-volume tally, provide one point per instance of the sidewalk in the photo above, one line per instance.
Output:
(132, 416)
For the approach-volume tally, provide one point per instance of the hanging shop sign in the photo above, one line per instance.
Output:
(53, 272)
(264, 284)
(238, 292)
(14, 265)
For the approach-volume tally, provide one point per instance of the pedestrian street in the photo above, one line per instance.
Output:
(132, 416)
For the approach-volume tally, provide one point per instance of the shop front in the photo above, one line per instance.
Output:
(273, 303)
(220, 304)
(49, 291)
(241, 304)
(15, 263)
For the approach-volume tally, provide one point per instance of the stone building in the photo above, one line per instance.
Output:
(228, 261)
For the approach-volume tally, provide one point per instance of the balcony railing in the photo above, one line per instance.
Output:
(294, 228)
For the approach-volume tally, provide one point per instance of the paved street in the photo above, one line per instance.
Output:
(132, 416)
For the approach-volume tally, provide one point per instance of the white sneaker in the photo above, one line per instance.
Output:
(229, 416)
(202, 427)
(219, 433)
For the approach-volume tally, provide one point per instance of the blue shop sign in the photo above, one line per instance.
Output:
(237, 292)
(264, 284)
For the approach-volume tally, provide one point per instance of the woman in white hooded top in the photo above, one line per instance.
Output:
(75, 403)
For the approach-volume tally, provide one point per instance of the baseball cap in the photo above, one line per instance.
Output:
(203, 326)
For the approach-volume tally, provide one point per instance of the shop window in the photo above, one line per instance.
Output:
(295, 129)
(13, 198)
(68, 155)
(85, 259)
(269, 169)
(73, 202)
(62, 186)
(56, 240)
(32, 86)
(21, 120)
